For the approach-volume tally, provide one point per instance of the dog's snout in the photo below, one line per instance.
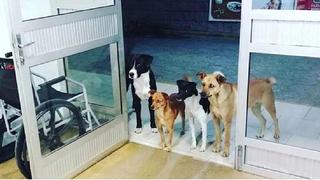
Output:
(203, 94)
(131, 74)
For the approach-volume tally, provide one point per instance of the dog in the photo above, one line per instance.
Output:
(197, 109)
(222, 98)
(142, 80)
(167, 109)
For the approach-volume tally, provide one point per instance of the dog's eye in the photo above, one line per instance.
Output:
(211, 86)
(203, 84)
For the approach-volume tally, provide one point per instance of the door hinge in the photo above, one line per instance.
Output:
(239, 157)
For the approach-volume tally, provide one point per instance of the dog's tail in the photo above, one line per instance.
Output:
(272, 80)
(186, 77)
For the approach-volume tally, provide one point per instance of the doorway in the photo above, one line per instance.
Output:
(182, 41)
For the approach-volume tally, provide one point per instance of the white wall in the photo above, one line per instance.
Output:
(5, 43)
(80, 4)
(31, 9)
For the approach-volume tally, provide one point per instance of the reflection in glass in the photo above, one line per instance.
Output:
(32, 9)
(93, 69)
(73, 96)
(273, 4)
(297, 99)
(286, 4)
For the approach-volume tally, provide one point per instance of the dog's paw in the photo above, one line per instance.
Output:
(203, 148)
(167, 149)
(138, 130)
(276, 136)
(182, 133)
(154, 130)
(259, 136)
(225, 154)
(163, 145)
(216, 149)
(193, 145)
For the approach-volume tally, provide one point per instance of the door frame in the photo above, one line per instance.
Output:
(248, 46)
(87, 150)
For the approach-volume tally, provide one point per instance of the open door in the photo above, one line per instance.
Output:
(69, 64)
(280, 41)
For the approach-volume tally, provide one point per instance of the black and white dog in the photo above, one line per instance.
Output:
(142, 80)
(197, 109)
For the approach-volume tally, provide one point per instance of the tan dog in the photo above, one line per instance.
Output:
(166, 111)
(222, 97)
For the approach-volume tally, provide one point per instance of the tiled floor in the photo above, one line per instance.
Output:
(299, 126)
(9, 170)
(135, 161)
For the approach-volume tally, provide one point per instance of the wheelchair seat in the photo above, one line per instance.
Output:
(9, 90)
(47, 92)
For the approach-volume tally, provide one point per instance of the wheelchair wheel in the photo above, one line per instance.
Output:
(52, 113)
(6, 148)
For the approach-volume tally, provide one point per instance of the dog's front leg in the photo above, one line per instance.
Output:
(204, 134)
(193, 136)
(152, 121)
(161, 133)
(217, 142)
(170, 129)
(256, 110)
(227, 126)
(137, 108)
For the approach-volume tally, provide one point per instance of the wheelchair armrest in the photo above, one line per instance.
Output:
(8, 54)
(53, 81)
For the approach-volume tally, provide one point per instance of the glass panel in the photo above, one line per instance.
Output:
(73, 96)
(286, 4)
(91, 69)
(32, 9)
(292, 96)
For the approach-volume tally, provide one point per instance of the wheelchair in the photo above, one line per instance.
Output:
(61, 116)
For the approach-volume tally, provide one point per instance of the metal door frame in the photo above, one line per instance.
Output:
(85, 151)
(248, 46)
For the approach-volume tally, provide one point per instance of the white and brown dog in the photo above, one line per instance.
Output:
(222, 98)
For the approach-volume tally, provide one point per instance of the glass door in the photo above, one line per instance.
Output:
(69, 66)
(278, 93)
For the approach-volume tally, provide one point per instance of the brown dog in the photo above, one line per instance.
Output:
(222, 97)
(166, 111)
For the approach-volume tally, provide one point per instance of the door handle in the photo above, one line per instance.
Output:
(25, 45)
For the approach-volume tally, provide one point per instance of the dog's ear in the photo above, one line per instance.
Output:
(221, 79)
(165, 95)
(147, 59)
(201, 75)
(131, 59)
(187, 78)
(152, 91)
(179, 82)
